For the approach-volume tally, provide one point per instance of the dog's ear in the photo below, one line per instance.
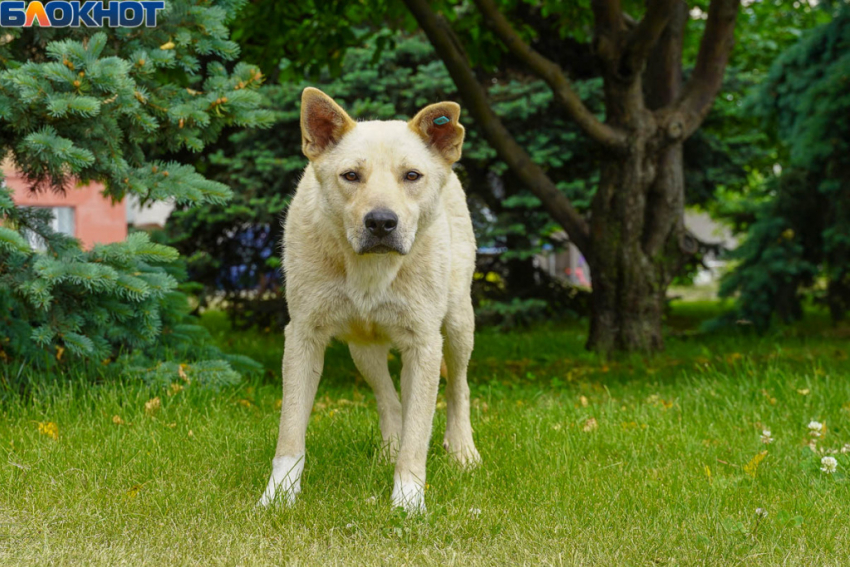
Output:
(438, 125)
(323, 122)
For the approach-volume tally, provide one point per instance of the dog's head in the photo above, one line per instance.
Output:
(380, 180)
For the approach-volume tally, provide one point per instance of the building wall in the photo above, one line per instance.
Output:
(96, 219)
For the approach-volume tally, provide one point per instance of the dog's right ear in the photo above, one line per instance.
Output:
(323, 122)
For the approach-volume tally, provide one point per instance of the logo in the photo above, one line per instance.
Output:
(63, 14)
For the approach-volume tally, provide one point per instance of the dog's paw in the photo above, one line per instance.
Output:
(284, 483)
(465, 454)
(410, 496)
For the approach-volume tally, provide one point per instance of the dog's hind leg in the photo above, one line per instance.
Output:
(459, 328)
(371, 362)
(303, 358)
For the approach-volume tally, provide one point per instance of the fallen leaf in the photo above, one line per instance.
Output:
(181, 372)
(117, 420)
(152, 406)
(751, 467)
(167, 45)
(134, 490)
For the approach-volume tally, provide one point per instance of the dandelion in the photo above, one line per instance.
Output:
(475, 512)
(829, 464)
(815, 428)
(49, 428)
(761, 512)
(766, 437)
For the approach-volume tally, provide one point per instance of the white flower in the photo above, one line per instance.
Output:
(766, 437)
(815, 427)
(475, 512)
(829, 465)
(846, 448)
(761, 512)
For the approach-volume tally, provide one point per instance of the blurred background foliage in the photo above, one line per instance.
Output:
(372, 60)
(770, 161)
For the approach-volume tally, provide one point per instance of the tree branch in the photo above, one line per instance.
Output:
(685, 116)
(552, 74)
(475, 98)
(644, 36)
(608, 27)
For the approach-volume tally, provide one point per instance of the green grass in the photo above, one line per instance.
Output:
(662, 479)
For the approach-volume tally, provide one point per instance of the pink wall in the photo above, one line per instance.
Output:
(96, 219)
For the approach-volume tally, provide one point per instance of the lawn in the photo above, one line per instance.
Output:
(635, 461)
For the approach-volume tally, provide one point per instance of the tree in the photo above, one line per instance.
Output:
(81, 105)
(635, 239)
(801, 219)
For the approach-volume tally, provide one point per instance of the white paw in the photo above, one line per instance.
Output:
(285, 481)
(409, 495)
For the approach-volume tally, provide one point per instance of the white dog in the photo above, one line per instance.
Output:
(379, 252)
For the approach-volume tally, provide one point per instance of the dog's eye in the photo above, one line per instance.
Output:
(412, 175)
(351, 176)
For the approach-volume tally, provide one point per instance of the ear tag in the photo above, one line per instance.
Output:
(441, 120)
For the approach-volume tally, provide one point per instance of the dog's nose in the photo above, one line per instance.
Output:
(381, 222)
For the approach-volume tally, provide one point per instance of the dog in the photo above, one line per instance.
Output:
(379, 252)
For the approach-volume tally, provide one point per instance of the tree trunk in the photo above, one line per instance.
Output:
(630, 278)
(637, 217)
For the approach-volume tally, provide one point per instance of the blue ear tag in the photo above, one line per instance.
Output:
(441, 120)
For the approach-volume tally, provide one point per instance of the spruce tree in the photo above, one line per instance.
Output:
(115, 106)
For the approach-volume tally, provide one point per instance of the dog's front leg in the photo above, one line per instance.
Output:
(303, 358)
(420, 379)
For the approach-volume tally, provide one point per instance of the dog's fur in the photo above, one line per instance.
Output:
(409, 288)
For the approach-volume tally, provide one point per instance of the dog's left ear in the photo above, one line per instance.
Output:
(438, 125)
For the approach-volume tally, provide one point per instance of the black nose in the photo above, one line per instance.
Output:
(381, 222)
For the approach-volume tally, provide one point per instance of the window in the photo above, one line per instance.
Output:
(63, 222)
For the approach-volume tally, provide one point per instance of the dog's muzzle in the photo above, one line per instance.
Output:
(380, 236)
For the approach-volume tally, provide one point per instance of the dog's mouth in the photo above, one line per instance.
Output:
(379, 249)
(374, 245)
